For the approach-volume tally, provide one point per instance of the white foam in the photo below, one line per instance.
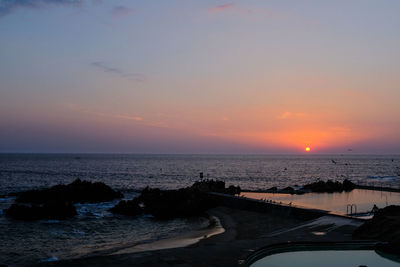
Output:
(50, 259)
(7, 199)
(384, 178)
(98, 210)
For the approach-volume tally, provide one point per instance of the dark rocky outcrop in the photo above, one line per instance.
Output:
(167, 204)
(128, 207)
(76, 192)
(233, 190)
(384, 226)
(288, 190)
(48, 211)
(273, 189)
(348, 185)
(330, 186)
(215, 186)
(57, 202)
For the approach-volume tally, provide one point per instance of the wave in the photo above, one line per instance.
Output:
(97, 210)
(50, 259)
(50, 221)
(7, 199)
(383, 178)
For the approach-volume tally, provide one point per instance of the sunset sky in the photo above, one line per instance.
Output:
(252, 76)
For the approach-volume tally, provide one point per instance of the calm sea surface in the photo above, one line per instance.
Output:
(96, 231)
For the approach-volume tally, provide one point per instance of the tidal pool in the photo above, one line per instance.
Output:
(340, 203)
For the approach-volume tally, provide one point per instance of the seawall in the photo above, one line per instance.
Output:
(266, 207)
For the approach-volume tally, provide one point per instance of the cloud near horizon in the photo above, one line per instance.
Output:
(10, 6)
(258, 13)
(109, 69)
(122, 11)
(220, 8)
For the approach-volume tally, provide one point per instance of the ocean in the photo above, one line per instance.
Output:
(95, 231)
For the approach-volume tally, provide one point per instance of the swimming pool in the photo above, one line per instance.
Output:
(322, 254)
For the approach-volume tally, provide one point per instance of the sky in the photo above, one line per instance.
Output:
(182, 76)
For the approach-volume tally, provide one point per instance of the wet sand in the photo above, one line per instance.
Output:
(184, 240)
(245, 231)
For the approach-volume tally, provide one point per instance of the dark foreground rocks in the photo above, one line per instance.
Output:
(215, 186)
(128, 207)
(48, 211)
(57, 202)
(167, 204)
(77, 192)
(384, 226)
(330, 186)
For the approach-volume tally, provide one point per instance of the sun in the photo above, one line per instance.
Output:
(307, 149)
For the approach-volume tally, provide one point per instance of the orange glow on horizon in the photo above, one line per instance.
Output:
(308, 149)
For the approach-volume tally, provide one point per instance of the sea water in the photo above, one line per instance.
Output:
(95, 231)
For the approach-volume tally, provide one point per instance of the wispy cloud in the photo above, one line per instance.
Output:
(9, 6)
(122, 11)
(109, 69)
(126, 117)
(289, 114)
(220, 8)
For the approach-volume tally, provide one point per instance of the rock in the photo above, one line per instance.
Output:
(288, 190)
(57, 202)
(128, 207)
(48, 211)
(384, 226)
(233, 190)
(273, 189)
(348, 185)
(166, 204)
(76, 192)
(209, 186)
(215, 186)
(330, 186)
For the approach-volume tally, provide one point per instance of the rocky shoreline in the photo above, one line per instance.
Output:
(57, 202)
(243, 229)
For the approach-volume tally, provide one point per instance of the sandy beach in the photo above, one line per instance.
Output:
(244, 232)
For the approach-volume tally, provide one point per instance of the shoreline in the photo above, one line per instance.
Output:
(179, 241)
(244, 232)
